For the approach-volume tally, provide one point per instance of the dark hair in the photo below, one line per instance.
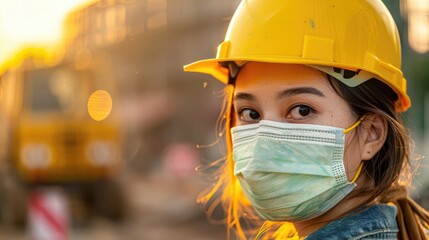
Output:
(389, 167)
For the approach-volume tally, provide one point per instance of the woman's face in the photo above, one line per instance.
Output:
(293, 94)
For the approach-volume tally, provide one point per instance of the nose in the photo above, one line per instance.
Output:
(273, 115)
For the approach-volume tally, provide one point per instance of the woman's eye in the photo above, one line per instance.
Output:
(249, 115)
(300, 112)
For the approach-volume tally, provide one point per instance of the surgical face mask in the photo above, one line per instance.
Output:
(291, 172)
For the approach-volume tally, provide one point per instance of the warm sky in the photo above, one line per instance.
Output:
(31, 21)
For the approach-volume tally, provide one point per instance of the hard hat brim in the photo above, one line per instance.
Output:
(212, 67)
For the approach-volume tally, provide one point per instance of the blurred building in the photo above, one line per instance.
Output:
(147, 42)
(165, 111)
(416, 13)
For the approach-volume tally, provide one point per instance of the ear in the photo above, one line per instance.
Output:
(375, 134)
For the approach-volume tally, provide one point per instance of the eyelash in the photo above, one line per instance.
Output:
(296, 106)
(287, 116)
(240, 114)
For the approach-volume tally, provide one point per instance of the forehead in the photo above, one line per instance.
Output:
(258, 76)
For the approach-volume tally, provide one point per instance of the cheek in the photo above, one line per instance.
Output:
(352, 155)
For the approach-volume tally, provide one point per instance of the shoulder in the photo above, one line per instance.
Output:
(375, 222)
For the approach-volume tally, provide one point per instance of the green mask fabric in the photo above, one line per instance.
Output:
(290, 172)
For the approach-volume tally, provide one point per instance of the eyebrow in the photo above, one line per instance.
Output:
(244, 96)
(300, 90)
(282, 94)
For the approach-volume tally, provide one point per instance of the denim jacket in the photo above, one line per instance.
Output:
(375, 222)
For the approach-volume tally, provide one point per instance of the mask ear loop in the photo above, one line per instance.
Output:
(357, 173)
(347, 131)
(354, 125)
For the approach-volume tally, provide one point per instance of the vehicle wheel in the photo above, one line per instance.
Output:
(109, 200)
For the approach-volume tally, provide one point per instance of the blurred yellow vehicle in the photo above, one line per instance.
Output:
(62, 131)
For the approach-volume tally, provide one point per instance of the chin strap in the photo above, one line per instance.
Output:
(412, 219)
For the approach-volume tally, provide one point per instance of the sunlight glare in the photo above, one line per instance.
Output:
(40, 22)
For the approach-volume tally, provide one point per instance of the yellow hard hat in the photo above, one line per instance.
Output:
(352, 35)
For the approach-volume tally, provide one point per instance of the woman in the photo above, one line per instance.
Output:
(316, 147)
